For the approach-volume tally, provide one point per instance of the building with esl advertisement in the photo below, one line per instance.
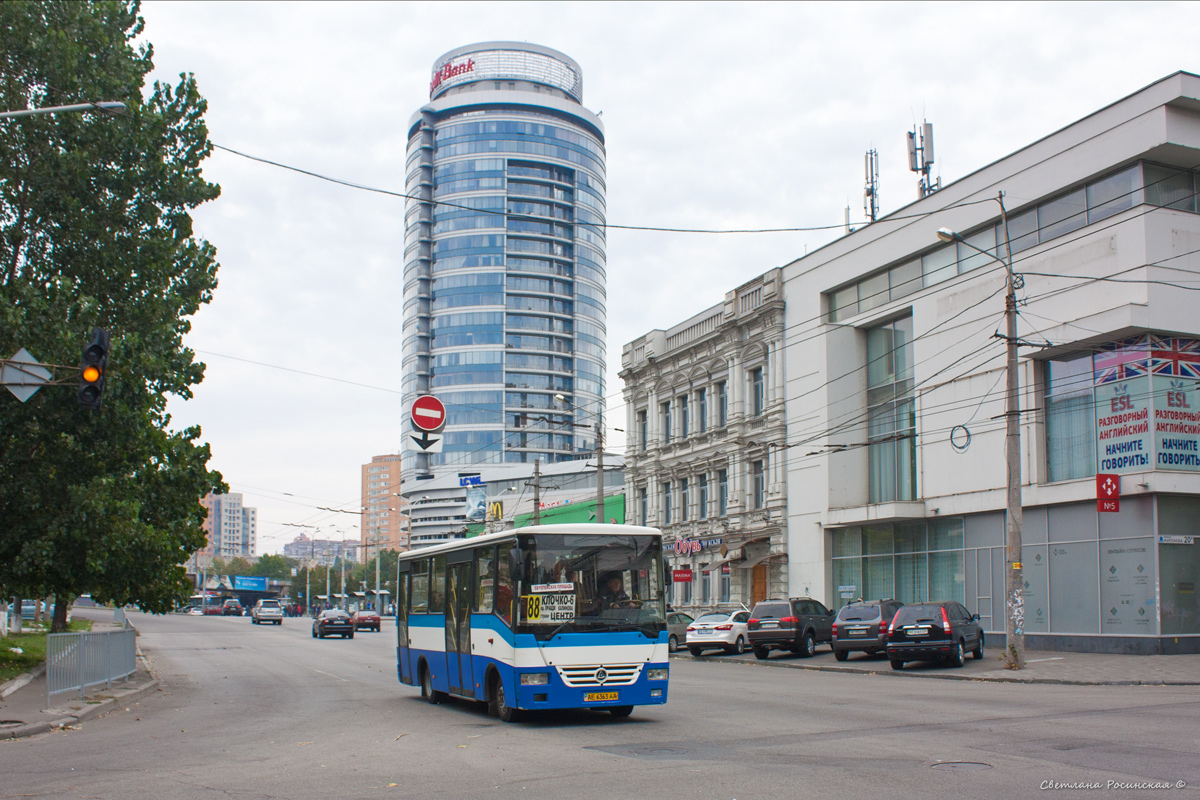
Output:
(893, 367)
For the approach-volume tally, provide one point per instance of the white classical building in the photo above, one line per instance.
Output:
(705, 407)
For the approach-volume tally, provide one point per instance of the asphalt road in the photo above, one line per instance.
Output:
(268, 712)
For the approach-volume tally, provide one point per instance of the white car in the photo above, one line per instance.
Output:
(196, 611)
(265, 611)
(719, 630)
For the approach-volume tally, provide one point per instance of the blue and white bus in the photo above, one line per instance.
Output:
(551, 616)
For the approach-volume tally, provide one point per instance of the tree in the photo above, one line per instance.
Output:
(274, 566)
(95, 231)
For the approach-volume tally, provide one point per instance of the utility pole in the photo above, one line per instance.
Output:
(537, 492)
(1014, 622)
(1014, 583)
(600, 473)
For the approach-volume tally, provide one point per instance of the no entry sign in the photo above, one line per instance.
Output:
(428, 413)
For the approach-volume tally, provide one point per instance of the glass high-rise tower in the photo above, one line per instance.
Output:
(504, 258)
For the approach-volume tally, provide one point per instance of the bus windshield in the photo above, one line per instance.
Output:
(590, 582)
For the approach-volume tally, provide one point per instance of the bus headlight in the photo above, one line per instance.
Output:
(535, 678)
(657, 674)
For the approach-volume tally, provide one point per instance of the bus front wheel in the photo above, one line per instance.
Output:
(500, 706)
(621, 711)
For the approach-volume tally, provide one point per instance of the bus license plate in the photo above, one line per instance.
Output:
(595, 697)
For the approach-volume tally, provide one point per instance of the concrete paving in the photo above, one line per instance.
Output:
(23, 709)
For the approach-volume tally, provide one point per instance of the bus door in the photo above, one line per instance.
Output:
(458, 623)
(403, 666)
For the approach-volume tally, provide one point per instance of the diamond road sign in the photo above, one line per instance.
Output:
(23, 374)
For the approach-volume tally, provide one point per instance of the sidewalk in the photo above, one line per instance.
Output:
(23, 709)
(1041, 666)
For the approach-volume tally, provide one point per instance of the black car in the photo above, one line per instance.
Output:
(798, 624)
(862, 625)
(333, 622)
(232, 608)
(934, 631)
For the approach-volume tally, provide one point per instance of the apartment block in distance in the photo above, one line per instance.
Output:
(385, 523)
(232, 527)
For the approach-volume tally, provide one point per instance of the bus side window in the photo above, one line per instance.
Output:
(420, 587)
(504, 589)
(437, 585)
(485, 558)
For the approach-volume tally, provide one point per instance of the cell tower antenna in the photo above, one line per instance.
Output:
(871, 190)
(920, 158)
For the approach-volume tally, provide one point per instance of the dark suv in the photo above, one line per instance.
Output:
(863, 626)
(937, 631)
(232, 608)
(798, 624)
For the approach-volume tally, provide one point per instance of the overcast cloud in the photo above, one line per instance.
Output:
(738, 115)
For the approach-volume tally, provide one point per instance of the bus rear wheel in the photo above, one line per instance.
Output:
(500, 706)
(428, 693)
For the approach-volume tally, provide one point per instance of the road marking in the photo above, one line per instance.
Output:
(1034, 660)
(330, 674)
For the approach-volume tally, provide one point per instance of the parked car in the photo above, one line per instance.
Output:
(677, 623)
(365, 618)
(333, 622)
(197, 611)
(718, 630)
(938, 631)
(213, 610)
(798, 624)
(232, 608)
(265, 611)
(862, 626)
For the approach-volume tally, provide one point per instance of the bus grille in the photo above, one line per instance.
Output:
(600, 674)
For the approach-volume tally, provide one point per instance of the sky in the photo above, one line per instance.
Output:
(718, 116)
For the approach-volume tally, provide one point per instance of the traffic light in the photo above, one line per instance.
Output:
(91, 369)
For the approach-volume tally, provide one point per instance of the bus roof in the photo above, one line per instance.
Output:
(588, 528)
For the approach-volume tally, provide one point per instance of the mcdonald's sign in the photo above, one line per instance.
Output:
(495, 510)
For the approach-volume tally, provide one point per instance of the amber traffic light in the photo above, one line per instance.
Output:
(91, 370)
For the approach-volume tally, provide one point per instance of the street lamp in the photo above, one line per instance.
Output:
(1014, 619)
(599, 455)
(104, 107)
(342, 553)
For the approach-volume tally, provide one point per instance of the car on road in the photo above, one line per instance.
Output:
(718, 630)
(333, 622)
(365, 618)
(862, 626)
(265, 611)
(232, 608)
(195, 611)
(677, 623)
(938, 631)
(797, 624)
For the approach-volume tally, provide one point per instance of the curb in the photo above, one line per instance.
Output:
(941, 676)
(110, 700)
(21, 681)
(118, 697)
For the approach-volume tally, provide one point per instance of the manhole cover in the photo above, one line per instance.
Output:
(961, 766)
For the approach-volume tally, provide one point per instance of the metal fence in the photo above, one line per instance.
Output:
(75, 661)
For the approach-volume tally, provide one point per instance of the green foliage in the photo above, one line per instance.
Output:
(273, 566)
(95, 231)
